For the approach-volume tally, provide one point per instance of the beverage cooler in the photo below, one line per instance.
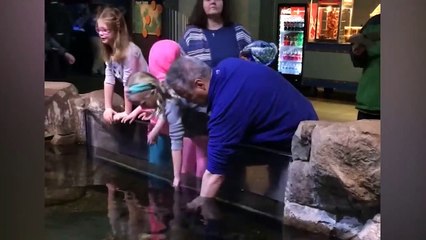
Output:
(291, 40)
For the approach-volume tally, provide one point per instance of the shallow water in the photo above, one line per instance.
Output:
(93, 199)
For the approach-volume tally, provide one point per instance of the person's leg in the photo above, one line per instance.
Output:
(200, 154)
(188, 156)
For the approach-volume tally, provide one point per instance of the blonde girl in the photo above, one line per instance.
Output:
(145, 90)
(122, 58)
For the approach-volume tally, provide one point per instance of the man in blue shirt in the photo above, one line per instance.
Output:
(249, 103)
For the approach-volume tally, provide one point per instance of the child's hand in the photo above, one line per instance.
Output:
(146, 115)
(130, 118)
(152, 138)
(109, 115)
(118, 116)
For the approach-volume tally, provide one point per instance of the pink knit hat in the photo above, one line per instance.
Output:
(161, 56)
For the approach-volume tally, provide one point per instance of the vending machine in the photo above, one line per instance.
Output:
(291, 40)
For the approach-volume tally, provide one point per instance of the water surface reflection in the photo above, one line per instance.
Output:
(93, 199)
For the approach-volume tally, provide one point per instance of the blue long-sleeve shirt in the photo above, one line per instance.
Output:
(250, 103)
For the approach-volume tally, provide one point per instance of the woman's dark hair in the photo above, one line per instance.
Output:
(198, 16)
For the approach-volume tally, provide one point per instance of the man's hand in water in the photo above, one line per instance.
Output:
(208, 207)
(196, 204)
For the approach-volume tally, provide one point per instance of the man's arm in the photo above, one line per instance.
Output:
(210, 184)
(228, 125)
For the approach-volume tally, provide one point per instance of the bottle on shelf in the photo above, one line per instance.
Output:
(297, 28)
(299, 55)
(300, 40)
(286, 26)
(289, 26)
(302, 26)
(293, 40)
(286, 40)
(298, 68)
(285, 56)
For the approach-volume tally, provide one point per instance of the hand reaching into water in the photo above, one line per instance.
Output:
(209, 210)
(196, 204)
(152, 138)
(208, 207)
(176, 182)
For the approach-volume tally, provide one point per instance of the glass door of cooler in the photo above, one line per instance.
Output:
(291, 39)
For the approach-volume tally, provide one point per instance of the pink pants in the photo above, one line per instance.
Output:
(194, 155)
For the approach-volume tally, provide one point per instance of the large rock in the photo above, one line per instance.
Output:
(65, 170)
(301, 144)
(64, 118)
(94, 102)
(60, 116)
(347, 228)
(335, 171)
(371, 230)
(309, 219)
(343, 171)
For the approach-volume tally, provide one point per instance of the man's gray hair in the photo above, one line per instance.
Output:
(184, 71)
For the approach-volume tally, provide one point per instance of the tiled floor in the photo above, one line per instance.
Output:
(334, 110)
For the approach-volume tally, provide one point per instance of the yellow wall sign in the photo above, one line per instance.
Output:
(147, 18)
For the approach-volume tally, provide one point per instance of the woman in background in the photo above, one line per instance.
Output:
(211, 36)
